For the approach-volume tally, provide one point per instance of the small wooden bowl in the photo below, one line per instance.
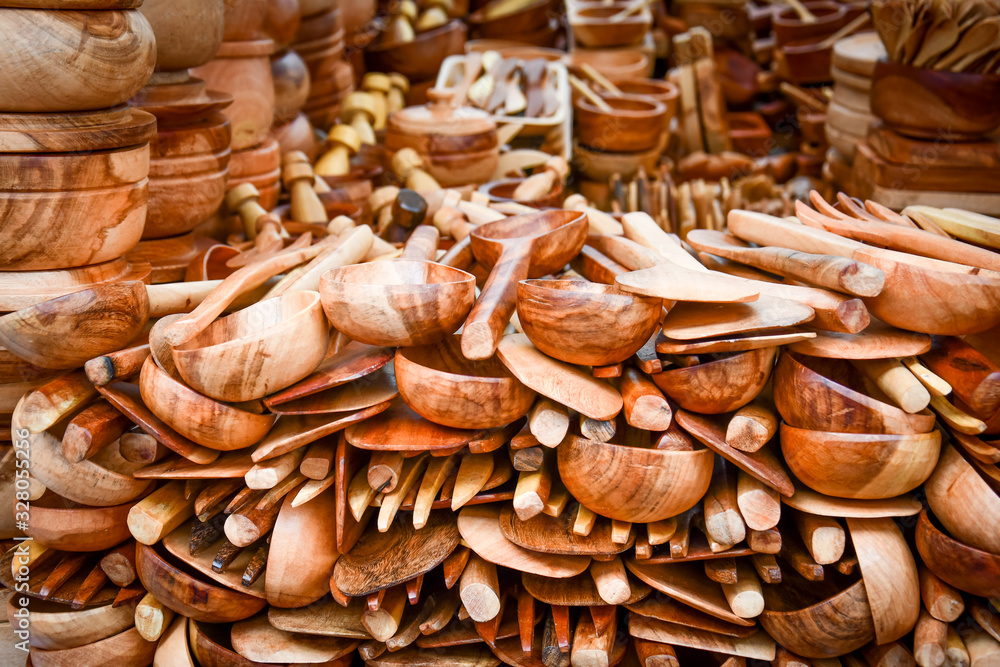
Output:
(592, 29)
(953, 491)
(585, 323)
(291, 86)
(939, 104)
(615, 64)
(860, 465)
(503, 191)
(420, 59)
(256, 351)
(528, 18)
(514, 49)
(398, 302)
(199, 418)
(664, 92)
(313, 7)
(816, 619)
(598, 166)
(188, 32)
(318, 25)
(187, 595)
(441, 385)
(55, 626)
(244, 20)
(631, 483)
(719, 386)
(72, 61)
(61, 524)
(179, 203)
(966, 568)
(633, 124)
(21, 289)
(819, 394)
(125, 649)
(788, 27)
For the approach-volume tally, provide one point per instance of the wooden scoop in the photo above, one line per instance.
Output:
(524, 246)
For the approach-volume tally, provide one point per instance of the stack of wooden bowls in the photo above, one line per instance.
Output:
(802, 51)
(291, 128)
(189, 156)
(320, 43)
(242, 68)
(528, 22)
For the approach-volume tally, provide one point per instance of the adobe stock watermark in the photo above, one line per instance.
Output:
(19, 620)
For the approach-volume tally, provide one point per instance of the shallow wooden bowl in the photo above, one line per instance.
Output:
(615, 64)
(820, 394)
(441, 385)
(788, 27)
(592, 29)
(256, 351)
(966, 568)
(664, 92)
(61, 524)
(199, 418)
(961, 500)
(817, 619)
(125, 649)
(503, 191)
(860, 465)
(398, 302)
(291, 86)
(633, 124)
(585, 323)
(940, 104)
(528, 18)
(188, 595)
(188, 32)
(719, 386)
(56, 626)
(631, 483)
(420, 59)
(72, 61)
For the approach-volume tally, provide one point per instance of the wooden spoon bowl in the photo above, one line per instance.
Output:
(56, 626)
(820, 395)
(593, 29)
(633, 124)
(966, 568)
(954, 489)
(441, 385)
(860, 465)
(719, 386)
(631, 483)
(420, 59)
(72, 61)
(62, 524)
(789, 27)
(199, 418)
(256, 351)
(585, 323)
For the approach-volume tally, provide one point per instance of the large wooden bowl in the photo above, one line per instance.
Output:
(256, 351)
(818, 394)
(72, 61)
(188, 595)
(282, 21)
(593, 29)
(633, 124)
(962, 501)
(631, 483)
(527, 19)
(966, 568)
(188, 32)
(719, 386)
(860, 465)
(817, 619)
(125, 649)
(61, 524)
(585, 323)
(199, 418)
(441, 385)
(56, 626)
(297, 135)
(420, 59)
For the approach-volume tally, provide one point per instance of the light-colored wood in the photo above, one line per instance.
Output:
(151, 618)
(548, 421)
(759, 646)
(126, 648)
(382, 623)
(532, 491)
(956, 653)
(322, 618)
(752, 426)
(591, 649)
(930, 640)
(48, 404)
(940, 600)
(56, 627)
(956, 486)
(611, 580)
(173, 649)
(413, 469)
(823, 537)
(744, 596)
(759, 504)
(723, 522)
(257, 640)
(159, 513)
(898, 383)
(479, 589)
(303, 549)
(267, 474)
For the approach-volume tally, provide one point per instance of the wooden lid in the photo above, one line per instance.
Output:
(858, 54)
(440, 118)
(115, 127)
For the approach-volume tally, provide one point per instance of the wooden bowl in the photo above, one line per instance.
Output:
(503, 191)
(953, 491)
(313, 7)
(291, 86)
(170, 257)
(526, 19)
(296, 135)
(441, 385)
(66, 210)
(940, 104)
(634, 124)
(398, 302)
(964, 567)
(125, 649)
(55, 626)
(820, 394)
(256, 351)
(860, 465)
(188, 595)
(199, 418)
(750, 133)
(598, 167)
(261, 167)
(420, 59)
(803, 62)
(244, 20)
(585, 323)
(72, 61)
(592, 29)
(719, 386)
(664, 92)
(631, 483)
(61, 524)
(615, 64)
(21, 289)
(188, 32)
(282, 21)
(817, 619)
(788, 27)
(514, 49)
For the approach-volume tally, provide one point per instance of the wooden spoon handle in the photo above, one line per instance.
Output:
(422, 244)
(496, 303)
(352, 248)
(460, 255)
(767, 230)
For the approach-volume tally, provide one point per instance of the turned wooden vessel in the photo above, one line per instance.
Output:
(487, 23)
(965, 567)
(420, 59)
(261, 167)
(243, 70)
(61, 524)
(188, 33)
(593, 28)
(954, 488)
(634, 124)
(718, 386)
(244, 20)
(615, 64)
(664, 92)
(72, 61)
(830, 16)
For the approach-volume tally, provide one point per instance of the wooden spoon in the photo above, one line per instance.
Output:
(258, 641)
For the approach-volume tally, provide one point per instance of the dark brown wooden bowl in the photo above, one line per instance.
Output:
(719, 386)
(634, 123)
(420, 59)
(528, 19)
(966, 568)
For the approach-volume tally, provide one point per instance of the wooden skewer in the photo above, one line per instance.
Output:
(159, 513)
(152, 618)
(591, 96)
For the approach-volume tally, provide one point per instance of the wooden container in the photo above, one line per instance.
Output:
(727, 20)
(72, 61)
(593, 29)
(244, 20)
(664, 92)
(260, 166)
(965, 567)
(420, 59)
(503, 191)
(598, 166)
(243, 70)
(296, 135)
(354, 187)
(459, 145)
(615, 64)
(788, 27)
(282, 22)
(528, 18)
(188, 32)
(291, 86)
(634, 124)
(803, 62)
(313, 7)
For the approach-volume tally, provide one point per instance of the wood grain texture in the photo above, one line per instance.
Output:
(63, 525)
(693, 321)
(554, 535)
(258, 641)
(966, 568)
(126, 648)
(758, 646)
(664, 608)
(686, 583)
(401, 429)
(302, 553)
(379, 387)
(877, 341)
(56, 627)
(954, 488)
(718, 386)
(353, 361)
(178, 544)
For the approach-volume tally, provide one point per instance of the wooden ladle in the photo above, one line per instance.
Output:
(519, 247)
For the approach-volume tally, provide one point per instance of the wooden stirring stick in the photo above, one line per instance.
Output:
(585, 90)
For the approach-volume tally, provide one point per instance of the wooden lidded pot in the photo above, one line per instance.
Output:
(459, 144)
